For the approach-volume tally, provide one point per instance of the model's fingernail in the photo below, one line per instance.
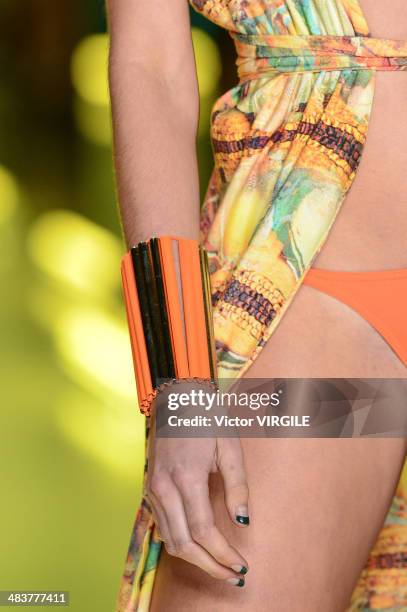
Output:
(240, 569)
(236, 581)
(242, 515)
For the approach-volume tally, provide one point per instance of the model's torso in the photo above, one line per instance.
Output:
(320, 336)
(370, 231)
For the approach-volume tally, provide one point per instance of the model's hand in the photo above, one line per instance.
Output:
(177, 487)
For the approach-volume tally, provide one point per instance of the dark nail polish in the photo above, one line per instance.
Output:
(243, 520)
(240, 569)
(239, 582)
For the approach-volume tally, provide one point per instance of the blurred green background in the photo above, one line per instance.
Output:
(72, 440)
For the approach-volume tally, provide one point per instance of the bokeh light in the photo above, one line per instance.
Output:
(95, 349)
(93, 122)
(108, 435)
(76, 251)
(89, 69)
(9, 194)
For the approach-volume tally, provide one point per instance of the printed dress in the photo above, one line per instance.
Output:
(287, 141)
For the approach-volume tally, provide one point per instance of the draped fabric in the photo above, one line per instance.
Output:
(287, 141)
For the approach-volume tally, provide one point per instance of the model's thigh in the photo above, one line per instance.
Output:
(316, 506)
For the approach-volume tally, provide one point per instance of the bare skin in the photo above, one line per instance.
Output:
(309, 537)
(155, 110)
(154, 150)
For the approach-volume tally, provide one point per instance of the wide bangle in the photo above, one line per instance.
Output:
(167, 296)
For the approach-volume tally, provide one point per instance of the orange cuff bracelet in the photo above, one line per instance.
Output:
(167, 296)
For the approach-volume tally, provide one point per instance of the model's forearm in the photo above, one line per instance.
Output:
(155, 121)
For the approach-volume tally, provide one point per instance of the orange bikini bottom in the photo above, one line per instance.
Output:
(380, 297)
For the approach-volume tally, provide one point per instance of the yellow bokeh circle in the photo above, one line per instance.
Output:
(89, 69)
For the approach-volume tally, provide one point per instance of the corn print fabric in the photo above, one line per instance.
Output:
(287, 141)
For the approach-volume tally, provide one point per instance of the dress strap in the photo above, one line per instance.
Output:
(265, 54)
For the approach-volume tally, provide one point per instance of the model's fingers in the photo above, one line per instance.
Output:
(159, 519)
(180, 542)
(164, 489)
(195, 554)
(201, 524)
(231, 466)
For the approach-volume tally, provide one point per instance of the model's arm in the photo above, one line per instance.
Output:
(155, 107)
